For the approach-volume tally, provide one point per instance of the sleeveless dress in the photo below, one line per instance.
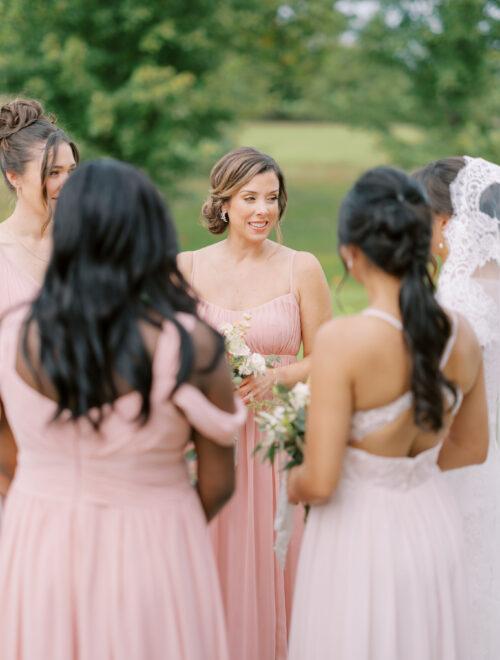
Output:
(381, 570)
(15, 287)
(257, 593)
(105, 551)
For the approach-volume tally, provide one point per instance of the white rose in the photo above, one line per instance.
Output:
(257, 363)
(299, 396)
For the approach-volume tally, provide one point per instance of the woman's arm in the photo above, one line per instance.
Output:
(215, 462)
(8, 453)
(467, 440)
(313, 296)
(328, 419)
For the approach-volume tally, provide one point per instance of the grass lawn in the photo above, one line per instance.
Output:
(320, 162)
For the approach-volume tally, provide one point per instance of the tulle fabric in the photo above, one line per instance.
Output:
(105, 552)
(256, 592)
(381, 571)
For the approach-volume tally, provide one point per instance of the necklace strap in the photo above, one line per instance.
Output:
(384, 316)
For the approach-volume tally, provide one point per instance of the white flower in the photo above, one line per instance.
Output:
(257, 363)
(226, 329)
(237, 346)
(299, 396)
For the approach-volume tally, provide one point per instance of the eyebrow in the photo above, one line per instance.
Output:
(254, 192)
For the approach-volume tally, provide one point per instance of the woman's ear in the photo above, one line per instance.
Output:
(347, 255)
(13, 179)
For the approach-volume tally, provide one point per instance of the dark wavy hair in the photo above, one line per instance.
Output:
(387, 215)
(113, 265)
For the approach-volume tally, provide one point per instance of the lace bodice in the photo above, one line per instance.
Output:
(365, 422)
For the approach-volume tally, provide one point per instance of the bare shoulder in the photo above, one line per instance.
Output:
(185, 263)
(339, 332)
(466, 344)
(306, 264)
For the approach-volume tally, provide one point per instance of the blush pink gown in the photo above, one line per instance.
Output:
(16, 287)
(382, 568)
(105, 551)
(257, 593)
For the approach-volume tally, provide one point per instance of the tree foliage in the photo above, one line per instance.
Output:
(445, 55)
(128, 79)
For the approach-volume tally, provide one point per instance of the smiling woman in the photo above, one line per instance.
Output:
(36, 158)
(286, 294)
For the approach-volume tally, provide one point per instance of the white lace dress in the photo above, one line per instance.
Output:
(470, 284)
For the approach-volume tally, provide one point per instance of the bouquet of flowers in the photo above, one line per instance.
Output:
(242, 360)
(283, 430)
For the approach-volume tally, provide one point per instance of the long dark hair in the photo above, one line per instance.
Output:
(113, 265)
(386, 214)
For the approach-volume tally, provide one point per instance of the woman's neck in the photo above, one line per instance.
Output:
(26, 222)
(383, 292)
(240, 249)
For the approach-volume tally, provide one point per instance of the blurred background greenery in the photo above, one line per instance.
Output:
(327, 88)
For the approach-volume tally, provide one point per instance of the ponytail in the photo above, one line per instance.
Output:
(387, 215)
(426, 331)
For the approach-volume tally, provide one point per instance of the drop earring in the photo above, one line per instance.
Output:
(223, 216)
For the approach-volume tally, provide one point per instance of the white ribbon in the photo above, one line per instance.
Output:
(283, 522)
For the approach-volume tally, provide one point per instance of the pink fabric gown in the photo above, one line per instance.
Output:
(15, 287)
(105, 551)
(381, 571)
(257, 593)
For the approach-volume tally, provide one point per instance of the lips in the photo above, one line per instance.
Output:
(259, 225)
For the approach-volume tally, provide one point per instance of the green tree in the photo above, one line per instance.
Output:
(128, 79)
(445, 55)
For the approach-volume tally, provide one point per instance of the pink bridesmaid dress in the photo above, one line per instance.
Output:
(16, 287)
(105, 551)
(257, 593)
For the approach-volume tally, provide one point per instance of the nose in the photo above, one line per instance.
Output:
(63, 178)
(262, 208)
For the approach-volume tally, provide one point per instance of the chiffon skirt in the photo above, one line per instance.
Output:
(381, 570)
(256, 591)
(89, 582)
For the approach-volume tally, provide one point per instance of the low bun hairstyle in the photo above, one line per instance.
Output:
(23, 125)
(436, 178)
(229, 174)
(386, 214)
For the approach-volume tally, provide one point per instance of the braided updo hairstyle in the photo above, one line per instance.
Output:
(23, 125)
(386, 214)
(229, 174)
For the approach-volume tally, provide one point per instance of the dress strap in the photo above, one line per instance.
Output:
(384, 316)
(291, 262)
(193, 268)
(450, 343)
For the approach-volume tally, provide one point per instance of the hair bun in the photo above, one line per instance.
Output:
(20, 113)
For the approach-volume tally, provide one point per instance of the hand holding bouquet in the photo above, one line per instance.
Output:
(245, 364)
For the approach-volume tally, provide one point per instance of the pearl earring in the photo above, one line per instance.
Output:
(441, 245)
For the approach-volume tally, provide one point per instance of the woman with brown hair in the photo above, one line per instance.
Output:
(287, 297)
(464, 194)
(36, 158)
